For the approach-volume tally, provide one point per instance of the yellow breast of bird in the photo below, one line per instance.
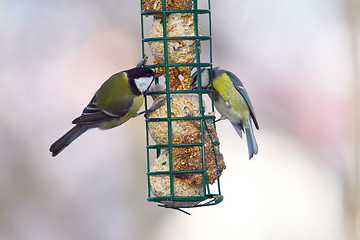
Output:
(235, 107)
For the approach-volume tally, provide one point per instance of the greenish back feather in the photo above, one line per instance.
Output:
(115, 95)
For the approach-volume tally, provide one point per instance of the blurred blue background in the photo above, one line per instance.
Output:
(298, 62)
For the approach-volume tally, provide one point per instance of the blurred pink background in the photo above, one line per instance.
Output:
(296, 58)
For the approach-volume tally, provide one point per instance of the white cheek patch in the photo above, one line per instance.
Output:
(143, 83)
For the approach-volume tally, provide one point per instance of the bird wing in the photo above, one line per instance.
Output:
(93, 114)
(241, 89)
(113, 100)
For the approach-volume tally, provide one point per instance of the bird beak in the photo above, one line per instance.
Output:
(142, 62)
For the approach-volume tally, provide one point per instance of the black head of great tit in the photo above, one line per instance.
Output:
(232, 101)
(118, 99)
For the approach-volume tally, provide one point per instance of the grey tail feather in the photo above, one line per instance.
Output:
(238, 128)
(68, 138)
(251, 142)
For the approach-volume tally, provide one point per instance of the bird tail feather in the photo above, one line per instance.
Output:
(238, 128)
(251, 142)
(68, 138)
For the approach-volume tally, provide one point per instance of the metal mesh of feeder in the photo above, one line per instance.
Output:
(188, 162)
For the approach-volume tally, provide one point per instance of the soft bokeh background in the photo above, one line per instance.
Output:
(297, 59)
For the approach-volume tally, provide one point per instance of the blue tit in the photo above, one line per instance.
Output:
(118, 99)
(232, 101)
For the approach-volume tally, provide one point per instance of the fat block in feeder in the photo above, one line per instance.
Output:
(178, 25)
(161, 185)
(156, 5)
(184, 158)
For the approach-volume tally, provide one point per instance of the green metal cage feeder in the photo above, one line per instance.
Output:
(184, 163)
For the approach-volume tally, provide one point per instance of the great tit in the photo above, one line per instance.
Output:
(232, 101)
(118, 99)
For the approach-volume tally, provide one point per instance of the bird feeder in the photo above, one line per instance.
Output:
(184, 162)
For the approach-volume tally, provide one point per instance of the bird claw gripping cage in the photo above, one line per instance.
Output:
(183, 158)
